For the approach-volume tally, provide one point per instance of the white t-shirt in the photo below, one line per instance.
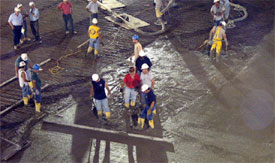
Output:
(93, 7)
(217, 12)
(146, 79)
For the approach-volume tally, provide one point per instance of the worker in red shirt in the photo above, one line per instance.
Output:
(132, 82)
(66, 8)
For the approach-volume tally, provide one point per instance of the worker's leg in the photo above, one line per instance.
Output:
(37, 99)
(218, 50)
(25, 95)
(133, 97)
(106, 108)
(150, 118)
(91, 46)
(142, 117)
(98, 107)
(212, 50)
(96, 46)
(71, 20)
(127, 97)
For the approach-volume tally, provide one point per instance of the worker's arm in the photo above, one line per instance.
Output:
(108, 89)
(35, 87)
(150, 108)
(89, 11)
(210, 34)
(99, 35)
(12, 27)
(16, 71)
(225, 39)
(153, 83)
(92, 91)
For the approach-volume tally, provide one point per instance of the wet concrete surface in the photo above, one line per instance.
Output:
(210, 112)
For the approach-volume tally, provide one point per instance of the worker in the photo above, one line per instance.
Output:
(98, 93)
(34, 17)
(67, 10)
(137, 48)
(24, 57)
(25, 29)
(36, 87)
(92, 8)
(217, 11)
(141, 60)
(226, 5)
(219, 35)
(16, 23)
(146, 78)
(95, 37)
(132, 82)
(150, 107)
(158, 7)
(23, 82)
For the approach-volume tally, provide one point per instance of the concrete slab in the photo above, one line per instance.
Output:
(132, 23)
(112, 4)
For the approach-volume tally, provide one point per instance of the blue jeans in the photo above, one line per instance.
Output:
(35, 29)
(94, 43)
(70, 19)
(130, 94)
(38, 97)
(16, 34)
(26, 91)
(102, 105)
(217, 22)
(144, 113)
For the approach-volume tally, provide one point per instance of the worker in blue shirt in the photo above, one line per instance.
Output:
(141, 60)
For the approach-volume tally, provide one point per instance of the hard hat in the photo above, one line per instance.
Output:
(24, 56)
(141, 53)
(65, 0)
(94, 21)
(19, 5)
(144, 87)
(36, 67)
(136, 37)
(95, 77)
(216, 1)
(31, 3)
(16, 9)
(144, 66)
(22, 63)
(223, 23)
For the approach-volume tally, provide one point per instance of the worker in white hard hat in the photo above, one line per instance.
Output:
(217, 11)
(141, 60)
(24, 57)
(37, 87)
(98, 93)
(150, 107)
(24, 31)
(34, 22)
(23, 83)
(16, 23)
(146, 78)
(219, 35)
(132, 82)
(95, 37)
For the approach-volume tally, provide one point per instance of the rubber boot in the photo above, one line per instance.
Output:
(96, 52)
(151, 123)
(127, 105)
(26, 100)
(99, 113)
(90, 49)
(37, 107)
(155, 111)
(108, 115)
(133, 103)
(141, 122)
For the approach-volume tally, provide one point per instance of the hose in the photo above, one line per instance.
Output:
(231, 23)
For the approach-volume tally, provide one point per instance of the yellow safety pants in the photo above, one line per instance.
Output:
(218, 46)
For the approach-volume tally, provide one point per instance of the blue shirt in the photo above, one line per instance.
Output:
(150, 98)
(36, 14)
(99, 89)
(19, 59)
(140, 62)
(16, 20)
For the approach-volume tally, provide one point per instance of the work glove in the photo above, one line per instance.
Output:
(36, 92)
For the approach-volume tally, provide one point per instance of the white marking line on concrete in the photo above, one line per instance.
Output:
(118, 152)
(111, 131)
(135, 153)
(102, 148)
(92, 152)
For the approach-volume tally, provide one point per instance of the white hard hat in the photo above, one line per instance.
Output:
(19, 5)
(95, 77)
(22, 63)
(65, 0)
(94, 21)
(144, 87)
(141, 53)
(16, 9)
(144, 66)
(223, 23)
(31, 3)
(216, 1)
(24, 56)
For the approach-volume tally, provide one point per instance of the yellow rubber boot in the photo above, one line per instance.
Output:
(155, 111)
(96, 52)
(26, 100)
(108, 115)
(31, 85)
(127, 105)
(151, 123)
(37, 107)
(158, 13)
(90, 49)
(133, 103)
(99, 113)
(142, 122)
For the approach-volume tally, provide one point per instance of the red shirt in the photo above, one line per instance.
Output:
(66, 8)
(132, 82)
